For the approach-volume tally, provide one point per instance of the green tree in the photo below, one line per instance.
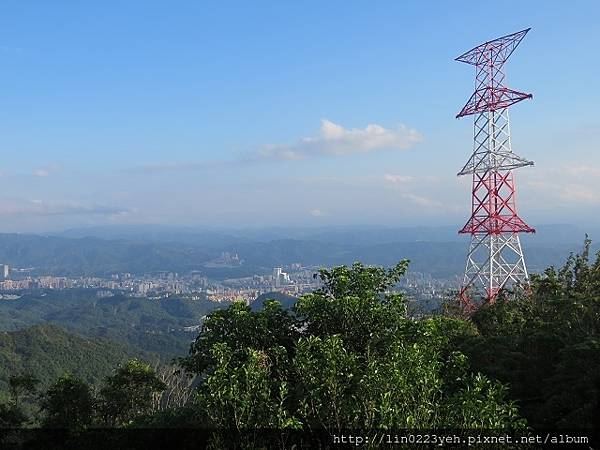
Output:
(329, 377)
(21, 387)
(545, 344)
(12, 417)
(241, 396)
(356, 303)
(127, 394)
(240, 328)
(346, 356)
(68, 403)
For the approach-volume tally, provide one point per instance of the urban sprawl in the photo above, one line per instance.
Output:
(293, 280)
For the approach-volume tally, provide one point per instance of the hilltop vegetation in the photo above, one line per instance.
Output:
(546, 345)
(141, 324)
(286, 301)
(47, 352)
(349, 356)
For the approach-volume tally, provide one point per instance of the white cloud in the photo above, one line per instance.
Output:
(46, 171)
(317, 213)
(335, 140)
(567, 192)
(423, 201)
(398, 179)
(430, 202)
(582, 171)
(579, 193)
(320, 179)
(332, 140)
(182, 167)
(36, 207)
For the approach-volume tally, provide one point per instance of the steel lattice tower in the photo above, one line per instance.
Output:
(495, 260)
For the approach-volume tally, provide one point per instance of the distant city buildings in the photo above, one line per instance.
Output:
(225, 260)
(104, 294)
(294, 280)
(280, 277)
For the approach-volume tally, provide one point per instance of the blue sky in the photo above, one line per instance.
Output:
(277, 113)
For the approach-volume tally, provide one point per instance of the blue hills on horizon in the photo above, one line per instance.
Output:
(365, 234)
(439, 251)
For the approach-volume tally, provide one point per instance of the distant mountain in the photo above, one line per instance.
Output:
(439, 251)
(355, 234)
(209, 239)
(94, 256)
(440, 259)
(48, 351)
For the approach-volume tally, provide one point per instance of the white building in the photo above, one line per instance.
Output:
(280, 277)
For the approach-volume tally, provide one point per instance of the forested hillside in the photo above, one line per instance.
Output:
(152, 326)
(47, 352)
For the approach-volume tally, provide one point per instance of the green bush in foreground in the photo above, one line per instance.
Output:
(347, 356)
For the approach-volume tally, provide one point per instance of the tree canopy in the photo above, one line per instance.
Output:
(349, 355)
(546, 344)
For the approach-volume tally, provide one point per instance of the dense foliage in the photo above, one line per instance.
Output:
(48, 352)
(68, 403)
(127, 394)
(546, 345)
(142, 325)
(71, 403)
(348, 355)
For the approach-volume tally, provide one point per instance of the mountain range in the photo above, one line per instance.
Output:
(439, 251)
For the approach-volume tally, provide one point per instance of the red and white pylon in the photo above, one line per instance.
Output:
(495, 260)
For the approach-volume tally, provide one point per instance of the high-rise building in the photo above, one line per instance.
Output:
(280, 277)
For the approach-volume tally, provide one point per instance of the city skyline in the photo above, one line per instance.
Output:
(277, 115)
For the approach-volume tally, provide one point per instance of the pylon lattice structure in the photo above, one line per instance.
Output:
(495, 259)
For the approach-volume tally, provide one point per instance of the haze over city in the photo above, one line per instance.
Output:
(311, 114)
